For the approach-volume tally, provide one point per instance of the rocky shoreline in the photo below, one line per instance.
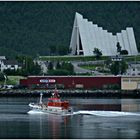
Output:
(72, 93)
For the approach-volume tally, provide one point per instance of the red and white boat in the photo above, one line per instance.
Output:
(54, 105)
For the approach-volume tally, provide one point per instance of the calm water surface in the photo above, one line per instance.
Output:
(100, 119)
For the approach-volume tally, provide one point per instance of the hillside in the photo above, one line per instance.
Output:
(32, 27)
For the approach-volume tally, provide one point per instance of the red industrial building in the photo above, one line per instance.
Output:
(70, 82)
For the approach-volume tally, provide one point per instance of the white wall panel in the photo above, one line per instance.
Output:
(102, 41)
(110, 43)
(105, 43)
(114, 38)
(92, 37)
(107, 46)
(99, 45)
(126, 43)
(120, 40)
(113, 45)
(89, 38)
(83, 36)
(132, 42)
(73, 37)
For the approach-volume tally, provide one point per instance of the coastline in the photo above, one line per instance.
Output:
(72, 93)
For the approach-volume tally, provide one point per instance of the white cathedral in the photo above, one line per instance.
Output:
(86, 36)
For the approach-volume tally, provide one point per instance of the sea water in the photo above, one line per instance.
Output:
(92, 118)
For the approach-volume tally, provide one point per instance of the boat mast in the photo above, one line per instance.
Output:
(40, 101)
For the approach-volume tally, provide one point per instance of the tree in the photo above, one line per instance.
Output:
(52, 50)
(118, 67)
(118, 47)
(58, 66)
(18, 36)
(70, 50)
(68, 66)
(58, 72)
(123, 67)
(29, 67)
(114, 68)
(124, 52)
(36, 69)
(50, 66)
(11, 72)
(64, 69)
(97, 53)
(63, 50)
(2, 76)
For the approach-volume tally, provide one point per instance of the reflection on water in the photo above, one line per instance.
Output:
(130, 105)
(49, 126)
(94, 118)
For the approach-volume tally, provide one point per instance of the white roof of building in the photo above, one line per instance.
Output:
(2, 58)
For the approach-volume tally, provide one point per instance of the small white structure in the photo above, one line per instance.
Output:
(86, 36)
(9, 64)
(2, 58)
(133, 69)
(43, 65)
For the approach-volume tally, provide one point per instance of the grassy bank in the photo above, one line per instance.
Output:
(70, 58)
(84, 58)
(12, 80)
(132, 58)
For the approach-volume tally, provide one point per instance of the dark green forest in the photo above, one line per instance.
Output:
(32, 28)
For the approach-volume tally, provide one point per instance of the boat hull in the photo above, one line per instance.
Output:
(50, 109)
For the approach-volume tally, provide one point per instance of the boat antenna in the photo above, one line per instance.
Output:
(40, 101)
(56, 92)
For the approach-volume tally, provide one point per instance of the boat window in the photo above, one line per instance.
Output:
(50, 101)
(56, 100)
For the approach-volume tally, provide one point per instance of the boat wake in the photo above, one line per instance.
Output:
(108, 113)
(95, 113)
(35, 112)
